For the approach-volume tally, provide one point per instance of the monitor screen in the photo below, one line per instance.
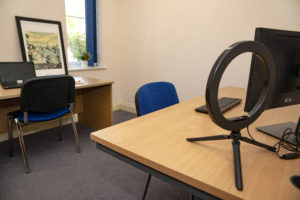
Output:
(16, 71)
(285, 49)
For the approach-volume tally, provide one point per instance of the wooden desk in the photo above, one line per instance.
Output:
(93, 103)
(157, 144)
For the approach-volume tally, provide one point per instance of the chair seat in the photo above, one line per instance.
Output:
(39, 117)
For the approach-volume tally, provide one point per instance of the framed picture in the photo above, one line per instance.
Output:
(42, 43)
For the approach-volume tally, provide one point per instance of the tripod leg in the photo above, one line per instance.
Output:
(273, 149)
(237, 164)
(217, 137)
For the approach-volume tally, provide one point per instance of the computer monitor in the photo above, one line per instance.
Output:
(14, 74)
(285, 49)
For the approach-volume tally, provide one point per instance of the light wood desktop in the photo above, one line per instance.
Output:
(158, 140)
(93, 103)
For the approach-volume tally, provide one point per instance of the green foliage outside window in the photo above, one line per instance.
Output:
(76, 40)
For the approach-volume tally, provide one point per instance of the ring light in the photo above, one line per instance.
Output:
(238, 123)
(265, 57)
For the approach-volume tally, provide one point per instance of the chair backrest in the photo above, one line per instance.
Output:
(47, 94)
(155, 96)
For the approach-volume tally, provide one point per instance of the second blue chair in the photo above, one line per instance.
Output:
(155, 96)
(43, 99)
(152, 97)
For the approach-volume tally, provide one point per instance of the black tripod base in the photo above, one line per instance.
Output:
(236, 137)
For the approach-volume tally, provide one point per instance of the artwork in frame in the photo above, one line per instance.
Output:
(42, 43)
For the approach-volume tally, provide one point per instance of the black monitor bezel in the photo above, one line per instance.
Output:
(253, 88)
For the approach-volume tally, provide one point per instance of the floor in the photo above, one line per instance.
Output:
(59, 172)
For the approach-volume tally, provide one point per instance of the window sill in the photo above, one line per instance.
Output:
(87, 69)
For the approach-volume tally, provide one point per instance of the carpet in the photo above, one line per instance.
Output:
(58, 172)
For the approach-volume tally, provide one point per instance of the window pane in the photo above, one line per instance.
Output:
(75, 8)
(75, 11)
(76, 24)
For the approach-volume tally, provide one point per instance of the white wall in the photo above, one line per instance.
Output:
(55, 10)
(9, 41)
(169, 40)
(109, 35)
(179, 41)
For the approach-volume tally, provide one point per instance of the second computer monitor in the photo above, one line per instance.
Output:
(285, 49)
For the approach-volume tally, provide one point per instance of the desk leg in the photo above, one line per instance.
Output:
(147, 186)
(97, 107)
(194, 191)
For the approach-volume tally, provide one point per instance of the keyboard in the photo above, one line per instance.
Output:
(225, 103)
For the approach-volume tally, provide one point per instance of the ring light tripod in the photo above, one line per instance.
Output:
(236, 124)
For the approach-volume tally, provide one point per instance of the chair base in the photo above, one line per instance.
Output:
(11, 118)
(59, 133)
(75, 133)
(22, 145)
(10, 135)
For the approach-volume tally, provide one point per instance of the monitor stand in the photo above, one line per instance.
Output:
(276, 130)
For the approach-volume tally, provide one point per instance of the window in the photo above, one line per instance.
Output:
(81, 31)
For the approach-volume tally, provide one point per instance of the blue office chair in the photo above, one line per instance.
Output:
(152, 97)
(43, 99)
(155, 96)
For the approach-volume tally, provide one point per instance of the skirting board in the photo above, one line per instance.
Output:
(120, 105)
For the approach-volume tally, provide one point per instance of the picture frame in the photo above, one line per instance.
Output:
(42, 43)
